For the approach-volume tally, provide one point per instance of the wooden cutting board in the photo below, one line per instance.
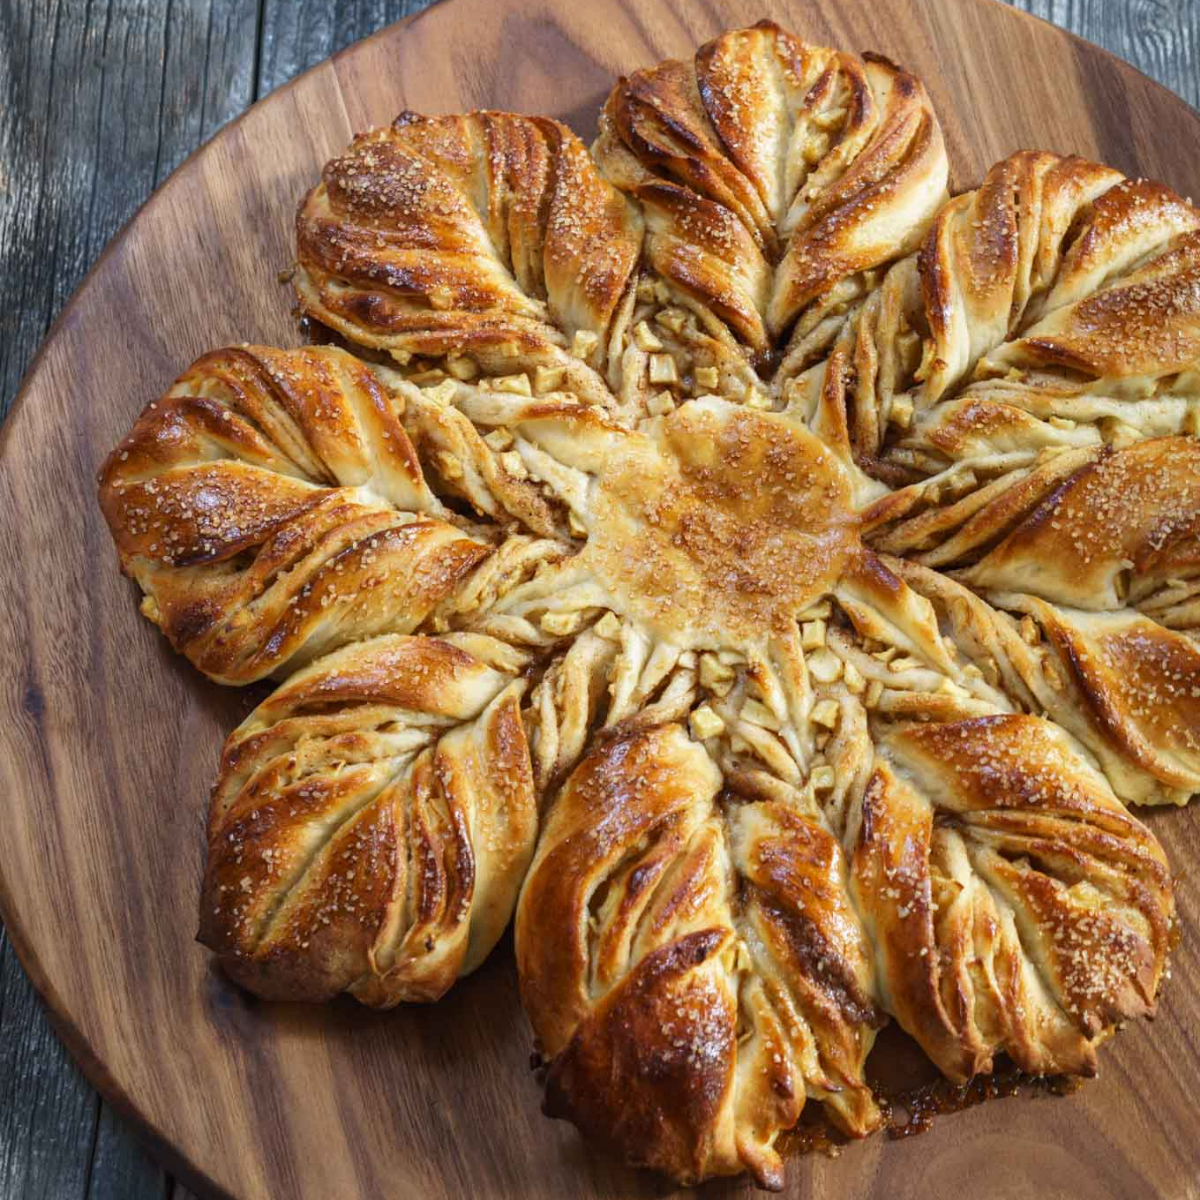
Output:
(108, 741)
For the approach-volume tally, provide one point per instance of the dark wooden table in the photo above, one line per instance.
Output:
(99, 101)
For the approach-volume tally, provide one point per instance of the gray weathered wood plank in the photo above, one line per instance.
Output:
(1160, 37)
(121, 1166)
(297, 36)
(99, 101)
(47, 1111)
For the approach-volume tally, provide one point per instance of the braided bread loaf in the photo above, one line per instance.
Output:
(813, 557)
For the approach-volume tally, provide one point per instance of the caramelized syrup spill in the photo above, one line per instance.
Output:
(812, 1134)
(910, 1110)
(315, 333)
(1175, 934)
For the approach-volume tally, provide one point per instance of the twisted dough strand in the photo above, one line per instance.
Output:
(487, 236)
(271, 508)
(372, 822)
(769, 170)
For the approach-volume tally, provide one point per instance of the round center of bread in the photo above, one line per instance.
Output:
(721, 524)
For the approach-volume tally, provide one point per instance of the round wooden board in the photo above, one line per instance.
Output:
(108, 742)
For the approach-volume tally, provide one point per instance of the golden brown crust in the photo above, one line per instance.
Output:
(650, 1071)
(1040, 235)
(1147, 324)
(488, 235)
(1060, 295)
(1118, 682)
(806, 943)
(990, 251)
(770, 170)
(698, 556)
(1015, 905)
(271, 507)
(599, 815)
(371, 825)
(708, 971)
(1134, 512)
(1136, 684)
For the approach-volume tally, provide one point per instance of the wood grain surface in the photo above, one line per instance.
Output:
(109, 742)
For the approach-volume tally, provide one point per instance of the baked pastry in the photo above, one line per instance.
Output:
(814, 557)
(374, 817)
(372, 823)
